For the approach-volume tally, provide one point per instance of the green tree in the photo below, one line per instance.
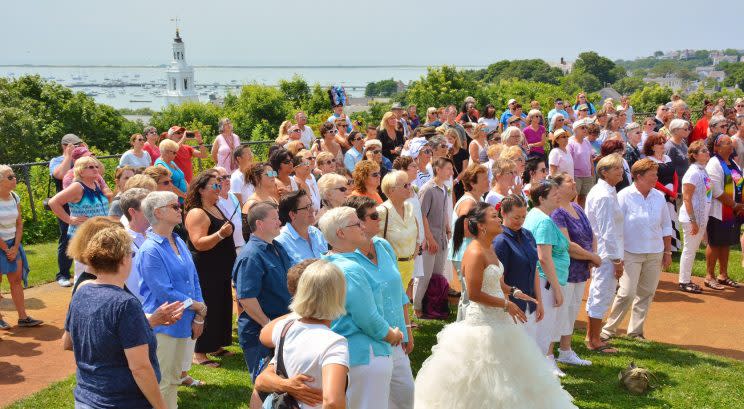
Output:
(601, 67)
(658, 54)
(440, 86)
(628, 85)
(258, 104)
(295, 90)
(648, 98)
(188, 114)
(535, 70)
(578, 80)
(385, 88)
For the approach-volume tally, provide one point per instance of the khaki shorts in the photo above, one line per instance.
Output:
(584, 184)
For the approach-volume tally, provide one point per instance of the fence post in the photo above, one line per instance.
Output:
(27, 181)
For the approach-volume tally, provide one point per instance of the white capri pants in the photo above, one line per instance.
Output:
(188, 357)
(689, 248)
(548, 329)
(573, 294)
(401, 383)
(369, 385)
(601, 290)
(170, 354)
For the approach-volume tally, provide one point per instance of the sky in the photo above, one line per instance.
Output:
(377, 32)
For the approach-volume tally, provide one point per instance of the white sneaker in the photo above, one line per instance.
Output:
(556, 371)
(570, 358)
(63, 282)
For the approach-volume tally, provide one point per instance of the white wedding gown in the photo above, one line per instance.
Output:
(487, 362)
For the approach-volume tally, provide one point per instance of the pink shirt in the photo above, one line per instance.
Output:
(534, 136)
(582, 157)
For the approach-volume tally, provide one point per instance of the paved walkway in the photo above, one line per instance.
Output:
(32, 358)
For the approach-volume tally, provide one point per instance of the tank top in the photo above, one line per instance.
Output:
(482, 152)
(224, 152)
(8, 217)
(93, 203)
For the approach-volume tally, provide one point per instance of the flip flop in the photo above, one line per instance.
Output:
(208, 362)
(604, 349)
(189, 381)
(223, 353)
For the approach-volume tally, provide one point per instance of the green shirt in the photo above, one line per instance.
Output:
(546, 232)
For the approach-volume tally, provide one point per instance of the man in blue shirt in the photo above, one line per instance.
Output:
(354, 154)
(559, 109)
(260, 276)
(58, 167)
(299, 237)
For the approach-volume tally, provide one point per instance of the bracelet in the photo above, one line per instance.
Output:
(220, 235)
(516, 292)
(198, 322)
(667, 252)
(203, 311)
(506, 305)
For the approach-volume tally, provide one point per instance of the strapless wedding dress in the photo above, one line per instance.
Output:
(488, 362)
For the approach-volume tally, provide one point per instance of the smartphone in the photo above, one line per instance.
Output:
(188, 303)
(189, 134)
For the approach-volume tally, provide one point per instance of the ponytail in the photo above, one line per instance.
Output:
(459, 234)
(476, 215)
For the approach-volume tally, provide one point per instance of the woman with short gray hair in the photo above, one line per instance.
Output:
(224, 145)
(169, 275)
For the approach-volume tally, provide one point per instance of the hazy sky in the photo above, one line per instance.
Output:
(372, 32)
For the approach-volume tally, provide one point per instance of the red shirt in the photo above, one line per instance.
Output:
(153, 150)
(183, 160)
(700, 131)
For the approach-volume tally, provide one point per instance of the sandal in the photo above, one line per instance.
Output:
(713, 284)
(208, 362)
(223, 353)
(729, 282)
(189, 381)
(604, 349)
(690, 288)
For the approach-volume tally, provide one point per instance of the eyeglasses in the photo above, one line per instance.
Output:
(223, 178)
(174, 206)
(304, 163)
(376, 152)
(405, 186)
(295, 131)
(374, 216)
(342, 189)
(703, 151)
(303, 208)
(326, 162)
(216, 186)
(11, 177)
(271, 173)
(442, 146)
(357, 224)
(375, 174)
(139, 140)
(91, 167)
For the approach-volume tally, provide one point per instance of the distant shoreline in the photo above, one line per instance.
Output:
(235, 66)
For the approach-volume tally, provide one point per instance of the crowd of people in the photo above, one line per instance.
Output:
(333, 248)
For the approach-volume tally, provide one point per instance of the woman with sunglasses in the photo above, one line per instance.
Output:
(373, 152)
(136, 157)
(167, 160)
(334, 189)
(668, 182)
(224, 145)
(121, 176)
(326, 163)
(13, 262)
(152, 139)
(303, 164)
(282, 162)
(534, 134)
(263, 177)
(213, 249)
(327, 143)
(581, 99)
(367, 180)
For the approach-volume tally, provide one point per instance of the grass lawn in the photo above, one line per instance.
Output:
(686, 379)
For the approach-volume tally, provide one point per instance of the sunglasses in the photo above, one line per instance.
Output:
(152, 133)
(174, 206)
(165, 182)
(426, 151)
(405, 186)
(355, 139)
(295, 131)
(271, 173)
(326, 162)
(223, 178)
(91, 167)
(376, 152)
(374, 216)
(216, 186)
(342, 189)
(287, 162)
(11, 177)
(375, 174)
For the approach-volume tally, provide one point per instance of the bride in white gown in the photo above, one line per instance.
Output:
(487, 361)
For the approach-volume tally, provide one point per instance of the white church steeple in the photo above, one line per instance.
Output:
(180, 87)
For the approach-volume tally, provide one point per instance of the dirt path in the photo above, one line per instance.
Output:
(32, 358)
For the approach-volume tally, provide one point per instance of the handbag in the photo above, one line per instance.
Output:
(281, 400)
(635, 379)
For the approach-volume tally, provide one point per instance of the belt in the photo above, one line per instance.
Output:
(405, 258)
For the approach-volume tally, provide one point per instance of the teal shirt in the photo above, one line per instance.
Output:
(546, 232)
(374, 302)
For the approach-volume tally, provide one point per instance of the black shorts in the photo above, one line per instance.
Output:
(722, 234)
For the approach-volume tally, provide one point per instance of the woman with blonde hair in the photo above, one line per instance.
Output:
(534, 134)
(113, 344)
(366, 180)
(136, 157)
(334, 189)
(503, 171)
(85, 196)
(516, 155)
(391, 136)
(224, 145)
(13, 262)
(283, 136)
(168, 151)
(325, 163)
(478, 148)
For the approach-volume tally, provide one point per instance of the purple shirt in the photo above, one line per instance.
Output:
(534, 136)
(582, 157)
(580, 232)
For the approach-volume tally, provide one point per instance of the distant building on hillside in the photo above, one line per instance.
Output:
(180, 76)
(563, 65)
(671, 81)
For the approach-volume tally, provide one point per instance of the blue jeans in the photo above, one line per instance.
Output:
(254, 352)
(63, 262)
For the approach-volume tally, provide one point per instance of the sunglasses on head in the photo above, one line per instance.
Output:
(271, 173)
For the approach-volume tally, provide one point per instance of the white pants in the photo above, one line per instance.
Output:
(601, 290)
(548, 329)
(689, 248)
(369, 385)
(170, 354)
(188, 357)
(401, 383)
(573, 294)
(637, 287)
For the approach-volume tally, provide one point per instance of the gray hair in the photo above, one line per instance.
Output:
(5, 169)
(678, 124)
(259, 211)
(333, 220)
(327, 183)
(148, 129)
(132, 199)
(436, 140)
(221, 124)
(555, 118)
(156, 200)
(632, 126)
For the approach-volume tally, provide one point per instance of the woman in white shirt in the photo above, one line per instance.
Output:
(696, 199)
(310, 348)
(136, 157)
(559, 160)
(224, 145)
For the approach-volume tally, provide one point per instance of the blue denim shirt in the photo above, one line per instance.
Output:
(167, 277)
(260, 272)
(517, 252)
(300, 249)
